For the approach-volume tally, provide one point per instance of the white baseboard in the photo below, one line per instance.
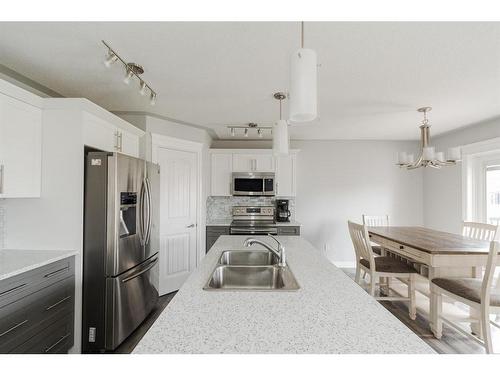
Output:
(345, 264)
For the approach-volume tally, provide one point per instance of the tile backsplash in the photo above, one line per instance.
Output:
(219, 208)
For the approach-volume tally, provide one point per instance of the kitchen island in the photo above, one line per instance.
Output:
(328, 314)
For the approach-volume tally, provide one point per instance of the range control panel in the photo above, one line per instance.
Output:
(253, 211)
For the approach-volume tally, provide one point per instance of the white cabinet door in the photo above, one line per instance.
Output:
(253, 163)
(99, 134)
(285, 175)
(128, 143)
(222, 167)
(20, 149)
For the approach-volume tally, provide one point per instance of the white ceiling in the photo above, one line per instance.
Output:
(372, 76)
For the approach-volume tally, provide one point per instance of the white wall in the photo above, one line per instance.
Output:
(443, 188)
(339, 181)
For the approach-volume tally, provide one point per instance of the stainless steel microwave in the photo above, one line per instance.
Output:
(253, 183)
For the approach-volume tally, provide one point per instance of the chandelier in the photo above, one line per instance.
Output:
(428, 156)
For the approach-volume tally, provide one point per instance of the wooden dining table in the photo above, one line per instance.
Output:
(444, 254)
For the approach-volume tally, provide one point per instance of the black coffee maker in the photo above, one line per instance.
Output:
(282, 211)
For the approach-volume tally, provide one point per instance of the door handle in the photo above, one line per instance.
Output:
(148, 232)
(190, 226)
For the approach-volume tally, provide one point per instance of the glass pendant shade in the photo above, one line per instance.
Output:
(303, 86)
(280, 138)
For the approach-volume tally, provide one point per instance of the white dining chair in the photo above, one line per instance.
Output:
(476, 293)
(376, 221)
(479, 231)
(381, 267)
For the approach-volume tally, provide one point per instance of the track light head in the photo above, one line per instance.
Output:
(259, 132)
(128, 76)
(110, 59)
(246, 132)
(142, 91)
(152, 98)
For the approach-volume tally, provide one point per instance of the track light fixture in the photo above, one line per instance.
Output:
(131, 70)
(248, 127)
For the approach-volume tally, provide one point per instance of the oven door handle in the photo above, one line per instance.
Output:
(254, 230)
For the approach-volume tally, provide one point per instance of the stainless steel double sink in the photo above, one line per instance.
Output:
(251, 270)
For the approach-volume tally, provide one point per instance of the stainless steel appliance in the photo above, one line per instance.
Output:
(253, 220)
(282, 211)
(121, 243)
(253, 183)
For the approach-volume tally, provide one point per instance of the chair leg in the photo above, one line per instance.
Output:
(436, 311)
(358, 272)
(412, 296)
(485, 325)
(373, 282)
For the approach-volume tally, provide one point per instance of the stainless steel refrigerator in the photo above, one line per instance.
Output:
(121, 243)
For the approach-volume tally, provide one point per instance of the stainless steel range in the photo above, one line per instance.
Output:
(253, 220)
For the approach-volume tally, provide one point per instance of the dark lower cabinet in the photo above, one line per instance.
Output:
(37, 310)
(215, 231)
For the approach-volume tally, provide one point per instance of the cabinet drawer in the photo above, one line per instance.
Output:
(22, 285)
(288, 231)
(217, 230)
(403, 250)
(56, 338)
(24, 318)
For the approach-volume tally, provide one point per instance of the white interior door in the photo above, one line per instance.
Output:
(178, 192)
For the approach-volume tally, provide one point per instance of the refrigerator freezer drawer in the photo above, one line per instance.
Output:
(130, 298)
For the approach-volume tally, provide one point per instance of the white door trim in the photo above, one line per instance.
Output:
(473, 157)
(163, 141)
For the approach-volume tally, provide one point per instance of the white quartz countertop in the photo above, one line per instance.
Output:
(227, 222)
(329, 314)
(14, 262)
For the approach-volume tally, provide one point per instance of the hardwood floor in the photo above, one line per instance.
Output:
(130, 343)
(452, 341)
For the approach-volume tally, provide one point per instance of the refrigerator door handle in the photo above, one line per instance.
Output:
(142, 223)
(150, 265)
(149, 217)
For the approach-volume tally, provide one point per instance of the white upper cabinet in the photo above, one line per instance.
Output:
(20, 148)
(253, 163)
(222, 166)
(286, 175)
(226, 161)
(106, 136)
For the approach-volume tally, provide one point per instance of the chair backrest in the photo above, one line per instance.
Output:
(479, 231)
(490, 267)
(361, 242)
(376, 221)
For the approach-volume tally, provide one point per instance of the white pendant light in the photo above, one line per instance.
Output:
(281, 141)
(303, 84)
